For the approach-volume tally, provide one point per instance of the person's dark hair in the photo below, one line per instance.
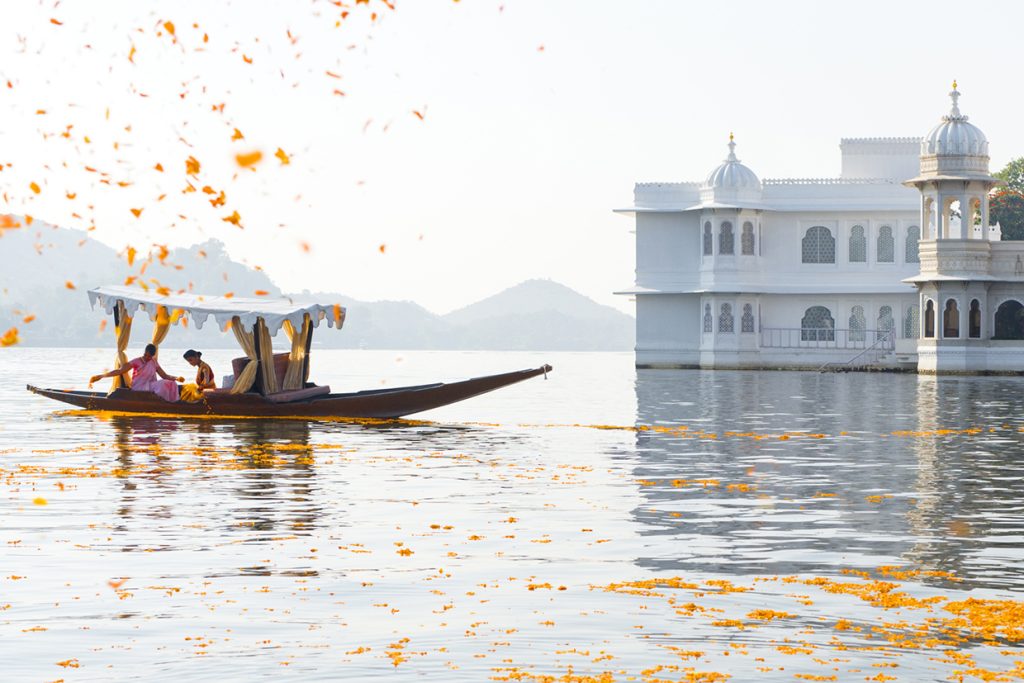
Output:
(192, 353)
(151, 349)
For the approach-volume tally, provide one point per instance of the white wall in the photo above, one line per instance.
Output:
(666, 331)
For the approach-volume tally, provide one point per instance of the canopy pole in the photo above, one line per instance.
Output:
(305, 361)
(122, 332)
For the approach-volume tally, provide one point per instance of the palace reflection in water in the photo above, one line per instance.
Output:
(885, 483)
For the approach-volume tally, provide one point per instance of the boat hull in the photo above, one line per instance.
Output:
(376, 403)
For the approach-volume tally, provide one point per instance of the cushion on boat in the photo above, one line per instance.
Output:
(298, 394)
(280, 366)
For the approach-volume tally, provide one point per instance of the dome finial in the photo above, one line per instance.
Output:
(954, 95)
(732, 147)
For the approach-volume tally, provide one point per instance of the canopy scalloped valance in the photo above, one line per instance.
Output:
(198, 308)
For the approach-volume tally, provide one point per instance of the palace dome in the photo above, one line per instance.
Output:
(731, 182)
(731, 174)
(954, 145)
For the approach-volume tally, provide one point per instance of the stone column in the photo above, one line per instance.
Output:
(940, 216)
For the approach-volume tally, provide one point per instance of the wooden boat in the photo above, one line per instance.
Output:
(268, 394)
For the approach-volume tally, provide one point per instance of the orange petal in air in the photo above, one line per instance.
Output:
(249, 159)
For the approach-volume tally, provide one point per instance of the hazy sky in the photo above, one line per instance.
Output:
(537, 118)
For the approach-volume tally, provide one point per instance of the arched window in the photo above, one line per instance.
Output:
(858, 245)
(857, 323)
(725, 238)
(818, 246)
(951, 320)
(886, 245)
(974, 320)
(929, 319)
(1009, 320)
(913, 237)
(912, 322)
(747, 239)
(885, 321)
(707, 239)
(709, 320)
(817, 325)
(725, 323)
(747, 321)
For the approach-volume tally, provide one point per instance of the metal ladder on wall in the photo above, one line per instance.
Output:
(882, 347)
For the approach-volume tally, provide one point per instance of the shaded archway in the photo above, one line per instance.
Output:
(1009, 320)
(974, 320)
(951, 320)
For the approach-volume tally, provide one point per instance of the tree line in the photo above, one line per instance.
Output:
(1006, 203)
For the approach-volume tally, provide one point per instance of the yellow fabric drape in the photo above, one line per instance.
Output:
(294, 377)
(247, 377)
(191, 393)
(266, 357)
(162, 325)
(123, 331)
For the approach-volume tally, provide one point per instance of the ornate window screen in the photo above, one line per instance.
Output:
(747, 239)
(709, 321)
(725, 322)
(858, 245)
(857, 323)
(818, 246)
(912, 322)
(913, 237)
(747, 321)
(725, 239)
(885, 319)
(817, 325)
(707, 239)
(886, 245)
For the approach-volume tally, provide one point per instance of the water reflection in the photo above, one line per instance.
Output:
(895, 491)
(248, 478)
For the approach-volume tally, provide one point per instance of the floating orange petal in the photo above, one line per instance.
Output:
(10, 337)
(34, 187)
(249, 159)
(136, 212)
(280, 154)
(28, 318)
(234, 219)
(237, 135)
(69, 285)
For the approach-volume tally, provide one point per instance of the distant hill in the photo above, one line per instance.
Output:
(36, 261)
(541, 312)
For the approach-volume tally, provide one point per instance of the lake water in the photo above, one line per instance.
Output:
(606, 524)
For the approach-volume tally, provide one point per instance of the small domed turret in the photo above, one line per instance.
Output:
(731, 181)
(954, 146)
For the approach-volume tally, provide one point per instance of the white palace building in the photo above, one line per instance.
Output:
(875, 268)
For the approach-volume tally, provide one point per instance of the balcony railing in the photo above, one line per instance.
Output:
(825, 338)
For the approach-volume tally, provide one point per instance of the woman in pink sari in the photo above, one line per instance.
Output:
(147, 375)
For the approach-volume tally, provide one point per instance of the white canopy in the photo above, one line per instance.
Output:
(198, 308)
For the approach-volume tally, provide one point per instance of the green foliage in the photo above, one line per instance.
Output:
(1006, 207)
(1013, 175)
(1006, 204)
